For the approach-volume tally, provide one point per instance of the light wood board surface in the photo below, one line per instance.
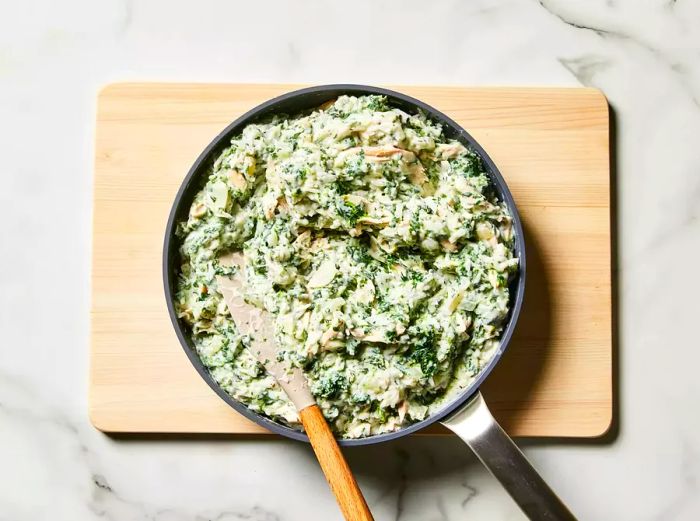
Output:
(552, 147)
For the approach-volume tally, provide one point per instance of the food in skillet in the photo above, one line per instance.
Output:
(376, 244)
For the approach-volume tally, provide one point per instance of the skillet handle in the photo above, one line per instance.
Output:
(347, 493)
(478, 428)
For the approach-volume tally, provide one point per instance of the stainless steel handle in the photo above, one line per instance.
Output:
(478, 428)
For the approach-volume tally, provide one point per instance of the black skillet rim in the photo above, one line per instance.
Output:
(293, 103)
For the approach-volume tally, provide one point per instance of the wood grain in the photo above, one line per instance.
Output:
(336, 469)
(551, 146)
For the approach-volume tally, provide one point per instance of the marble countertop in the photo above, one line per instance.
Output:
(54, 56)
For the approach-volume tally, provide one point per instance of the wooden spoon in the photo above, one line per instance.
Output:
(255, 323)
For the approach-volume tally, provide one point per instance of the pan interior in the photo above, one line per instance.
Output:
(294, 103)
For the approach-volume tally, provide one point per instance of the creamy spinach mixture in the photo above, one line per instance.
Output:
(379, 249)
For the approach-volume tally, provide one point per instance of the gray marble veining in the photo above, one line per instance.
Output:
(54, 56)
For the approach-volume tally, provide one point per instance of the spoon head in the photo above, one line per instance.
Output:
(257, 325)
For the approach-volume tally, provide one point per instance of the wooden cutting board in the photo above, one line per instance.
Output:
(552, 146)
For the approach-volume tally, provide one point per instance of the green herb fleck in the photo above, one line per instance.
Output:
(351, 212)
(331, 386)
(425, 354)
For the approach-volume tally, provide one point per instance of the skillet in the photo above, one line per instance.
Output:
(467, 414)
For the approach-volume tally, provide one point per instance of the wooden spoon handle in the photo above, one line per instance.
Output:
(334, 466)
